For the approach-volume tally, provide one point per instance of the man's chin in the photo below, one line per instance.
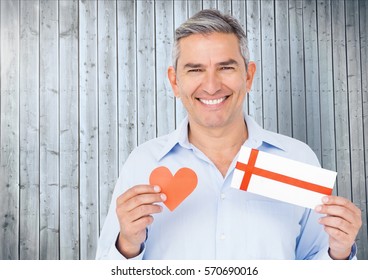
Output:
(213, 123)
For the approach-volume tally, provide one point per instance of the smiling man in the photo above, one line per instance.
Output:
(212, 75)
(212, 82)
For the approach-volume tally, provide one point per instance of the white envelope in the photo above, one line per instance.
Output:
(282, 179)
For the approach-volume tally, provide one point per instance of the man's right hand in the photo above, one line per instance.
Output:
(134, 209)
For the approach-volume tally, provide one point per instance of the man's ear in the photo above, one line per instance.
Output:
(171, 74)
(250, 75)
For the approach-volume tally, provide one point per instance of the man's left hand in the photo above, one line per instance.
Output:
(342, 223)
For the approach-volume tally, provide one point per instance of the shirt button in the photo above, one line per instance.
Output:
(222, 237)
(223, 196)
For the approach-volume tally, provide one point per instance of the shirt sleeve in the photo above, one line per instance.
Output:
(324, 255)
(353, 254)
(114, 254)
(106, 248)
(312, 242)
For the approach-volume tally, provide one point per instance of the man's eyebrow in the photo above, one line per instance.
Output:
(222, 63)
(193, 65)
(228, 62)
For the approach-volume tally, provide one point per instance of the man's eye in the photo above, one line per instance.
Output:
(195, 70)
(227, 68)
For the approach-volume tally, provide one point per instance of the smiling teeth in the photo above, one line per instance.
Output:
(213, 101)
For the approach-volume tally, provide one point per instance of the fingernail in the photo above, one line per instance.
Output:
(163, 197)
(156, 188)
(325, 199)
(318, 208)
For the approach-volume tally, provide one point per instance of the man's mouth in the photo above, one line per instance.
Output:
(212, 101)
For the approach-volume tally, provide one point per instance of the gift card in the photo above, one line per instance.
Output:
(281, 178)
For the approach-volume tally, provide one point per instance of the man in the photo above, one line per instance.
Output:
(212, 75)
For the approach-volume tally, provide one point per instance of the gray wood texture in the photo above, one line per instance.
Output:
(49, 131)
(107, 103)
(146, 75)
(312, 94)
(69, 134)
(255, 103)
(283, 83)
(328, 147)
(164, 35)
(89, 222)
(297, 76)
(9, 130)
(363, 12)
(180, 15)
(354, 82)
(84, 82)
(29, 131)
(341, 119)
(268, 65)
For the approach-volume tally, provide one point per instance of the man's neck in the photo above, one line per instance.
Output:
(220, 144)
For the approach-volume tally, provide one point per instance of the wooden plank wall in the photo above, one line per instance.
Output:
(84, 82)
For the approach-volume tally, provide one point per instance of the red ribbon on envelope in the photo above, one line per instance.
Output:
(250, 169)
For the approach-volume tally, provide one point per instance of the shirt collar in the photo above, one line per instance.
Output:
(178, 136)
(257, 136)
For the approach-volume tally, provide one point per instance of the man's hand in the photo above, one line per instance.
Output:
(134, 209)
(342, 223)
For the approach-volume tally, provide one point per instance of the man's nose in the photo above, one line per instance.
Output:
(211, 83)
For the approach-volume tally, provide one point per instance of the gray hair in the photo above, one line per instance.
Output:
(207, 22)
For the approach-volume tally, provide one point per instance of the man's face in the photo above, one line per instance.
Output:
(211, 79)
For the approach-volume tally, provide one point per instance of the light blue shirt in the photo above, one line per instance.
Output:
(217, 221)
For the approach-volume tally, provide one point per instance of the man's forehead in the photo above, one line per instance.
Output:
(197, 49)
(208, 36)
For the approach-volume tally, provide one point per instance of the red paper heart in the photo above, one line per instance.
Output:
(177, 187)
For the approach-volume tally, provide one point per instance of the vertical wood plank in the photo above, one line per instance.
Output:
(209, 4)
(254, 43)
(127, 79)
(341, 100)
(29, 130)
(225, 5)
(108, 100)
(146, 71)
(88, 131)
(356, 117)
(164, 38)
(69, 147)
(268, 66)
(49, 131)
(194, 7)
(239, 11)
(311, 76)
(9, 130)
(328, 158)
(191, 8)
(297, 70)
(363, 16)
(284, 120)
(180, 15)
